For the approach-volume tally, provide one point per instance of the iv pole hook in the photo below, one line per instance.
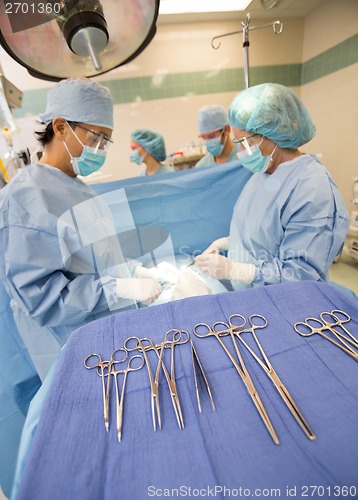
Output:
(276, 25)
(277, 29)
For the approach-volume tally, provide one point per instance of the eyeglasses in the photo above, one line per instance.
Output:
(96, 140)
(244, 143)
(212, 135)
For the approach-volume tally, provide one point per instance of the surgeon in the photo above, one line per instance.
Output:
(214, 128)
(62, 265)
(148, 147)
(290, 221)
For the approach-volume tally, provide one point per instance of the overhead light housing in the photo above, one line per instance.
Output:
(56, 39)
(192, 7)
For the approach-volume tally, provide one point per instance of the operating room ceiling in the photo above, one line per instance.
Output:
(273, 10)
(282, 9)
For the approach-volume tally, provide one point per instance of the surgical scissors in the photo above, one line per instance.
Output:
(323, 326)
(154, 394)
(101, 366)
(227, 329)
(266, 365)
(196, 361)
(172, 342)
(125, 371)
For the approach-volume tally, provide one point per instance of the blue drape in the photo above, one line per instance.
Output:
(72, 456)
(194, 206)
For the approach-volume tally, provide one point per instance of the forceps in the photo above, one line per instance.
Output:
(101, 366)
(266, 365)
(154, 394)
(171, 339)
(337, 321)
(196, 361)
(225, 329)
(310, 329)
(125, 371)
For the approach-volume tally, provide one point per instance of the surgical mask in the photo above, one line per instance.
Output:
(255, 162)
(136, 157)
(214, 146)
(90, 160)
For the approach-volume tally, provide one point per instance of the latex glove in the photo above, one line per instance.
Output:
(142, 272)
(222, 244)
(142, 290)
(163, 273)
(220, 267)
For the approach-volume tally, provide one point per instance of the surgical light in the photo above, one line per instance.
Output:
(56, 39)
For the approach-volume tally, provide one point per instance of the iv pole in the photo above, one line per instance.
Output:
(277, 29)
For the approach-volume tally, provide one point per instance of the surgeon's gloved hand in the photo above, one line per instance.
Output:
(220, 267)
(144, 290)
(163, 273)
(217, 246)
(143, 272)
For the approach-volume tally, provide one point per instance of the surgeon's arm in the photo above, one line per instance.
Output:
(45, 289)
(315, 224)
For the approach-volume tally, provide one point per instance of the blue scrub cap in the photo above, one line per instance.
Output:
(151, 142)
(79, 100)
(211, 118)
(275, 112)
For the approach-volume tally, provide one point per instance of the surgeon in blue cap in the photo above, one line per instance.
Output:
(290, 221)
(62, 265)
(214, 128)
(148, 147)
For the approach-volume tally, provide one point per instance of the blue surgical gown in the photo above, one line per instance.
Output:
(209, 160)
(290, 225)
(19, 383)
(59, 264)
(163, 169)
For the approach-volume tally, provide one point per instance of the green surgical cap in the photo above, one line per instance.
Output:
(151, 141)
(275, 112)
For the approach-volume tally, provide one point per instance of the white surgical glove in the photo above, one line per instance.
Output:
(141, 290)
(222, 244)
(142, 272)
(164, 273)
(220, 267)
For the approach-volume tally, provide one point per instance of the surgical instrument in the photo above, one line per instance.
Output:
(224, 330)
(148, 346)
(196, 362)
(154, 394)
(338, 322)
(311, 329)
(171, 339)
(101, 366)
(125, 371)
(266, 365)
